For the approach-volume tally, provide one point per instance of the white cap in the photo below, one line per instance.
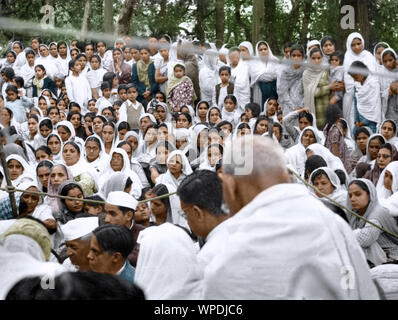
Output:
(122, 199)
(80, 227)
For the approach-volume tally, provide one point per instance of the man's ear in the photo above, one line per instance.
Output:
(130, 215)
(117, 257)
(199, 214)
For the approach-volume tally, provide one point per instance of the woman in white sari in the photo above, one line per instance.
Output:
(263, 73)
(355, 52)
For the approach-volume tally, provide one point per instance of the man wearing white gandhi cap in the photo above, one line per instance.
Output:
(120, 208)
(77, 235)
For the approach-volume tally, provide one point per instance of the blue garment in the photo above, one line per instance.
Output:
(141, 86)
(5, 206)
(268, 90)
(128, 273)
(47, 84)
(360, 118)
(18, 108)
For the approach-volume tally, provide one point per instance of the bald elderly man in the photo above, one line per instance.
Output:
(281, 242)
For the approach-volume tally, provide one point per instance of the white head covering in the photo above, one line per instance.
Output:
(80, 227)
(365, 56)
(333, 162)
(339, 194)
(247, 45)
(183, 133)
(137, 151)
(28, 173)
(170, 248)
(382, 192)
(147, 115)
(259, 67)
(311, 44)
(56, 157)
(123, 199)
(385, 45)
(186, 167)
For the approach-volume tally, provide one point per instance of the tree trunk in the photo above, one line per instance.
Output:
(293, 16)
(219, 23)
(240, 22)
(163, 17)
(269, 20)
(200, 8)
(362, 20)
(126, 14)
(306, 22)
(108, 16)
(258, 20)
(86, 16)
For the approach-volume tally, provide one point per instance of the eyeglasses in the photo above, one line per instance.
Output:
(385, 156)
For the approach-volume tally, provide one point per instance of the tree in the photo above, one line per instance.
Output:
(258, 20)
(85, 19)
(200, 12)
(306, 21)
(219, 23)
(269, 18)
(108, 16)
(125, 17)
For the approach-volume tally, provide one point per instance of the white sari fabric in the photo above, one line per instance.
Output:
(251, 252)
(382, 192)
(170, 249)
(108, 173)
(367, 58)
(208, 75)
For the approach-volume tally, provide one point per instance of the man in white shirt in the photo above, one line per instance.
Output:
(281, 242)
(240, 78)
(201, 199)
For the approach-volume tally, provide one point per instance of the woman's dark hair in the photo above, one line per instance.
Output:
(129, 183)
(45, 149)
(224, 68)
(244, 125)
(152, 125)
(91, 115)
(307, 115)
(124, 142)
(342, 177)
(123, 125)
(70, 186)
(19, 80)
(44, 163)
(361, 130)
(261, 118)
(160, 92)
(93, 139)
(81, 55)
(219, 146)
(35, 117)
(255, 108)
(340, 55)
(118, 103)
(52, 108)
(28, 52)
(223, 123)
(169, 146)
(315, 50)
(74, 145)
(109, 123)
(318, 174)
(73, 104)
(65, 127)
(9, 111)
(163, 125)
(312, 163)
(96, 56)
(390, 53)
(40, 66)
(387, 146)
(231, 97)
(278, 125)
(360, 184)
(55, 136)
(160, 190)
(102, 118)
(71, 114)
(61, 43)
(358, 67)
(12, 88)
(47, 123)
(328, 38)
(112, 111)
(72, 63)
(109, 76)
(178, 65)
(297, 48)
(381, 139)
(186, 115)
(333, 112)
(394, 126)
(105, 85)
